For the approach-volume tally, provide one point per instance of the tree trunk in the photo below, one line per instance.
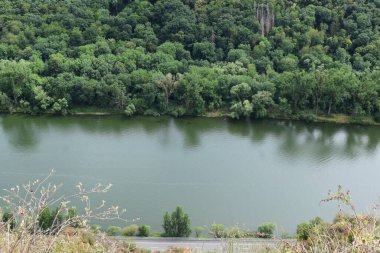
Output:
(316, 105)
(330, 104)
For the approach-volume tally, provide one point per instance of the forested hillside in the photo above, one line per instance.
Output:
(191, 56)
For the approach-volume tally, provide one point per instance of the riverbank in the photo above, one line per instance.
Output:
(304, 116)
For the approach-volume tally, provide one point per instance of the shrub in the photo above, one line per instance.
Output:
(177, 224)
(266, 230)
(130, 247)
(44, 220)
(113, 230)
(303, 231)
(218, 230)
(32, 213)
(376, 117)
(236, 232)
(144, 231)
(72, 214)
(88, 237)
(176, 111)
(130, 110)
(9, 219)
(130, 230)
(151, 112)
(198, 231)
(307, 117)
(95, 228)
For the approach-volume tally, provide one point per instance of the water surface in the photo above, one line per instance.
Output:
(220, 171)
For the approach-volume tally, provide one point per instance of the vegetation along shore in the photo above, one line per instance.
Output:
(249, 59)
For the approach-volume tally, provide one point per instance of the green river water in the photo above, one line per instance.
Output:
(231, 172)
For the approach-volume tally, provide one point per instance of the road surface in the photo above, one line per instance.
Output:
(203, 245)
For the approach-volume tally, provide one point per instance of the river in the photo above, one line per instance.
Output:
(221, 171)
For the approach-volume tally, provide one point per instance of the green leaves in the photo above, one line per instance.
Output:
(317, 55)
(177, 224)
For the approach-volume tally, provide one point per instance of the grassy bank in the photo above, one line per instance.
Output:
(305, 116)
(333, 118)
(302, 116)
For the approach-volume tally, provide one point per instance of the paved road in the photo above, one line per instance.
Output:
(202, 245)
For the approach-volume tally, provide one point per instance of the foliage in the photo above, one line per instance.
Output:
(89, 238)
(9, 220)
(143, 231)
(130, 110)
(177, 224)
(198, 231)
(113, 230)
(190, 57)
(130, 230)
(266, 230)
(32, 225)
(347, 233)
(217, 230)
(95, 228)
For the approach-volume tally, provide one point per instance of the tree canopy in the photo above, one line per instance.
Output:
(180, 57)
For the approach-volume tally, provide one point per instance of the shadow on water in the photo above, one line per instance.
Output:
(292, 138)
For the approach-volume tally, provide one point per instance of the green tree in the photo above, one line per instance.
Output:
(45, 222)
(168, 84)
(240, 109)
(218, 230)
(261, 102)
(14, 78)
(241, 91)
(177, 224)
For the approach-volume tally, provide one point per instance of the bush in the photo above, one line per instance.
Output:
(177, 111)
(130, 110)
(198, 231)
(130, 230)
(153, 113)
(144, 231)
(95, 228)
(303, 231)
(218, 230)
(72, 214)
(113, 230)
(130, 247)
(9, 219)
(88, 237)
(307, 117)
(45, 220)
(177, 224)
(266, 230)
(376, 117)
(236, 232)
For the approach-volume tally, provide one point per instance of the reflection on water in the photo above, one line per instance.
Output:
(220, 170)
(294, 138)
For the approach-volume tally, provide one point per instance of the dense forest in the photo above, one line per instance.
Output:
(190, 57)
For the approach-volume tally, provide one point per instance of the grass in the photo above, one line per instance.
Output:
(309, 116)
(306, 116)
(346, 119)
